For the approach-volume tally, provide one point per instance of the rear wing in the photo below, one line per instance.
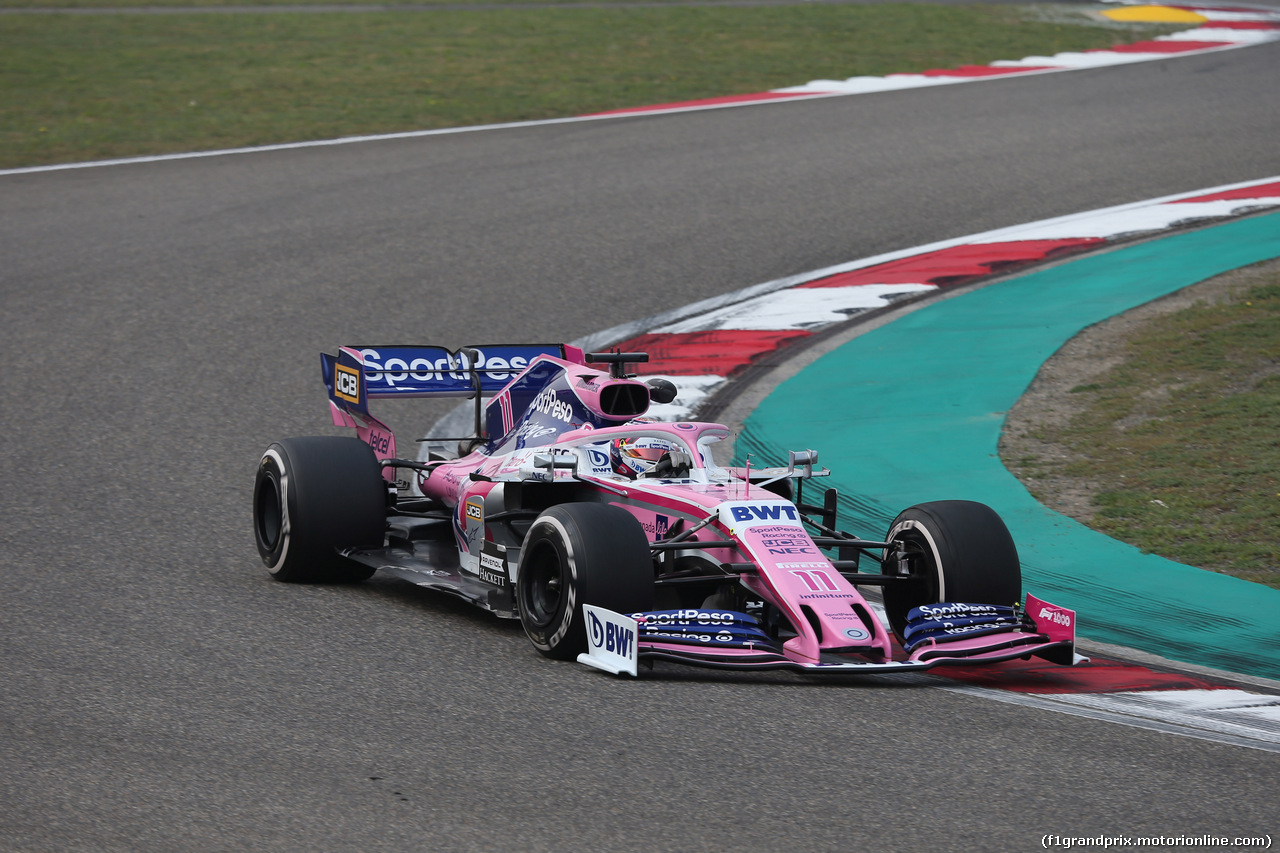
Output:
(358, 373)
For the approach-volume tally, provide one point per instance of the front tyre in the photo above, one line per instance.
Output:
(312, 497)
(958, 551)
(575, 554)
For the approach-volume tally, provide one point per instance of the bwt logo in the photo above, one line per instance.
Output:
(777, 512)
(612, 638)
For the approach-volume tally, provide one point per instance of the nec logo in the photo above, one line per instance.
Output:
(346, 383)
(777, 512)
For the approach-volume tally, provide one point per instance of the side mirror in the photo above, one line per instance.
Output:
(805, 458)
(661, 390)
(543, 466)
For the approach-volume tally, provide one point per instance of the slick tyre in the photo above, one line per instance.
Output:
(313, 497)
(575, 554)
(959, 551)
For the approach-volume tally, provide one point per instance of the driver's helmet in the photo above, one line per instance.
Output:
(635, 457)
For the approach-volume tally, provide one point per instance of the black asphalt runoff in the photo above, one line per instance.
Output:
(161, 326)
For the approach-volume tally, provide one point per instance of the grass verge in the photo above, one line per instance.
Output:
(1179, 443)
(86, 87)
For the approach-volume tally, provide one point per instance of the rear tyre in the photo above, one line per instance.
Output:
(575, 554)
(314, 496)
(960, 551)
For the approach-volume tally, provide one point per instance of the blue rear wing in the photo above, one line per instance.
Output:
(358, 373)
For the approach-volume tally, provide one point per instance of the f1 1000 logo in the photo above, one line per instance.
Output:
(1056, 616)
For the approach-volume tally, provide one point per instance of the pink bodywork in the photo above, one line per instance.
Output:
(369, 429)
(791, 572)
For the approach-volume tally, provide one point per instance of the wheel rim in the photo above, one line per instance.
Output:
(544, 587)
(925, 577)
(923, 586)
(268, 513)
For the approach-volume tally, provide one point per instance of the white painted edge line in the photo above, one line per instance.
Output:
(1073, 222)
(796, 309)
(1100, 706)
(1036, 65)
(1233, 717)
(730, 310)
(1230, 716)
(293, 146)
(1187, 713)
(1213, 14)
(809, 91)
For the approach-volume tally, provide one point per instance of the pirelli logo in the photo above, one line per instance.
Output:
(346, 383)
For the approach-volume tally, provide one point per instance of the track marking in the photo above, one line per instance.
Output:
(724, 332)
(724, 335)
(1223, 30)
(1144, 711)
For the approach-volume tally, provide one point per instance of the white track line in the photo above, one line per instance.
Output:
(1230, 39)
(1133, 217)
(1256, 725)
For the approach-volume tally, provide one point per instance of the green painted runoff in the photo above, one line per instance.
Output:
(913, 411)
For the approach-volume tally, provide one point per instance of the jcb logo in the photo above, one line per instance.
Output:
(346, 383)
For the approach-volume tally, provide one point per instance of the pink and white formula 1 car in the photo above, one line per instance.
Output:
(617, 539)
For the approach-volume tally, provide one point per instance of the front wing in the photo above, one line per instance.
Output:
(616, 643)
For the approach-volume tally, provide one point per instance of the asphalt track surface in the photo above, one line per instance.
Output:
(159, 692)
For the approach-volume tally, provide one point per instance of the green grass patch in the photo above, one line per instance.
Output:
(85, 87)
(1183, 438)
